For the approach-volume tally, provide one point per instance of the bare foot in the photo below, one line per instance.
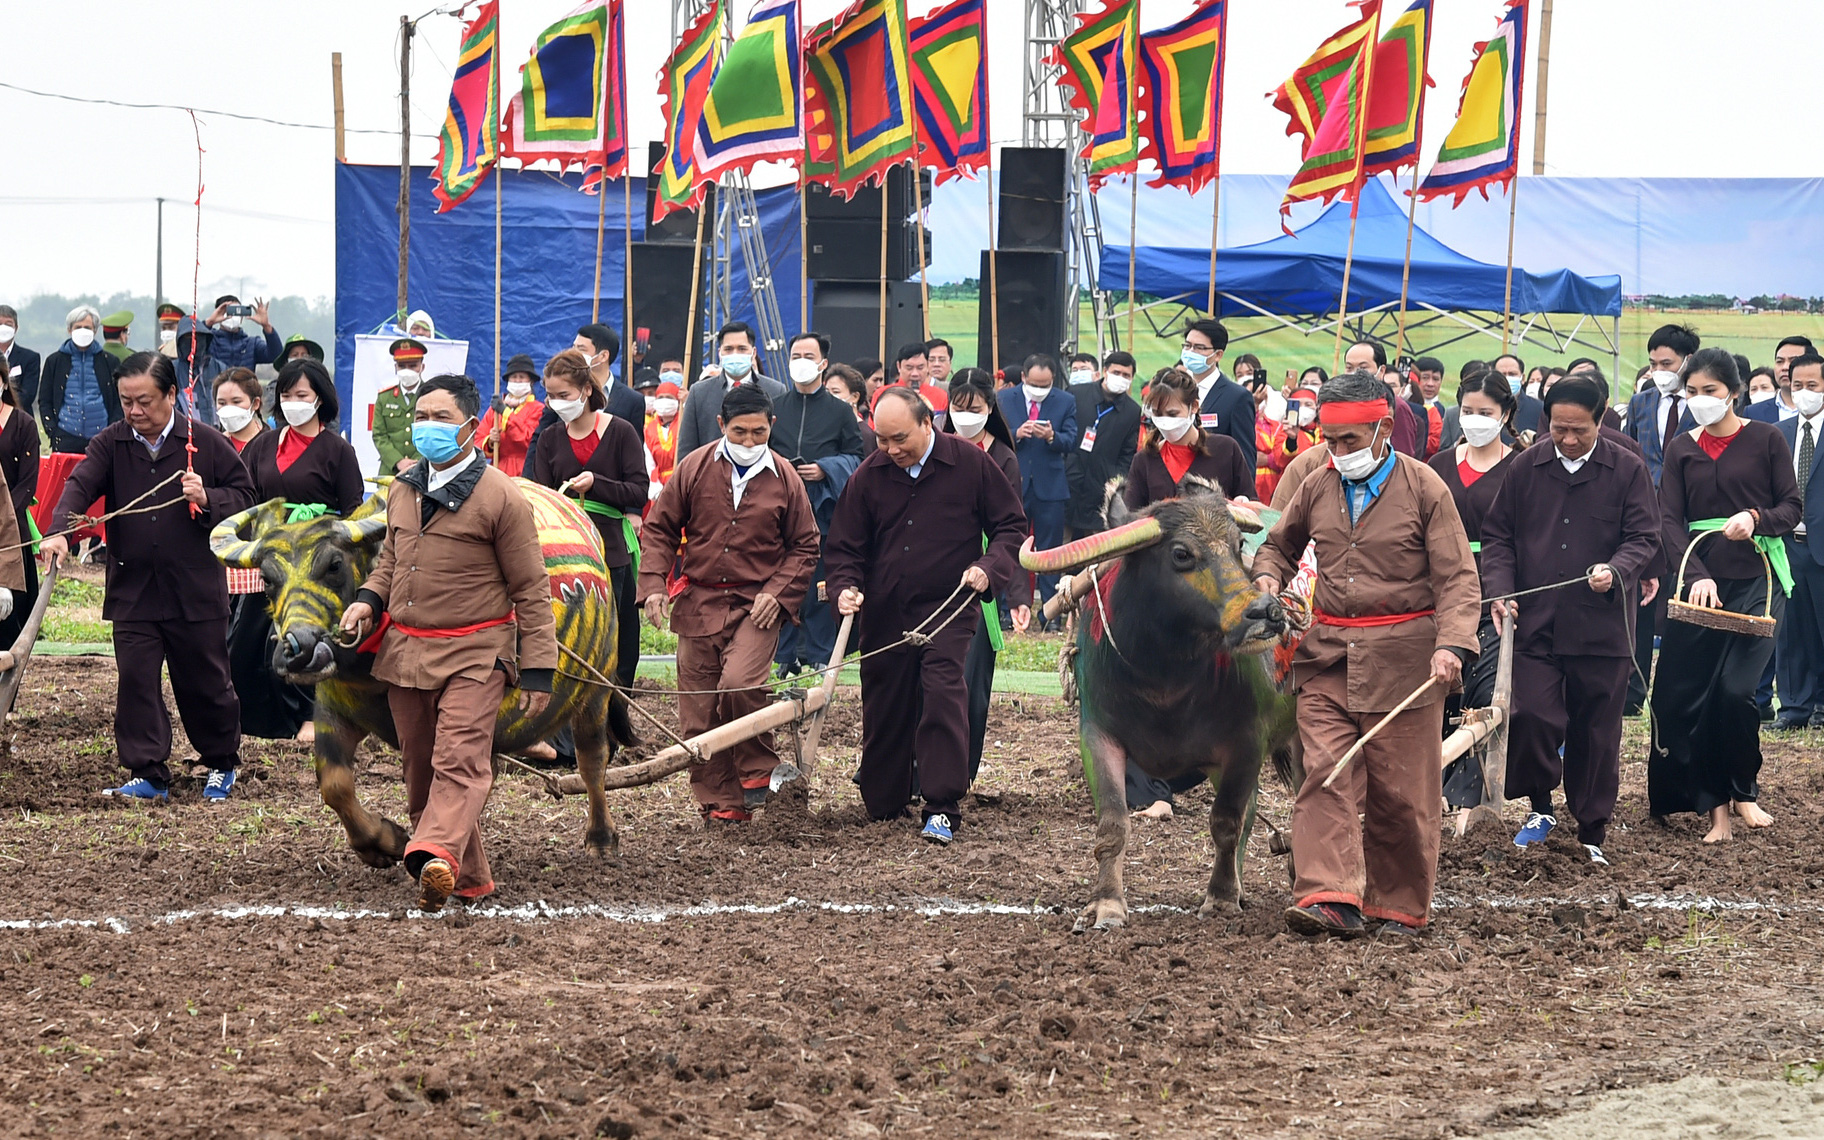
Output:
(540, 751)
(1752, 815)
(1720, 831)
(1158, 809)
(307, 734)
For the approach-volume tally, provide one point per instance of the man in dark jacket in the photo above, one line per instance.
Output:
(76, 395)
(907, 537)
(232, 347)
(21, 363)
(1109, 422)
(1572, 503)
(817, 433)
(166, 594)
(1226, 407)
(1043, 419)
(737, 363)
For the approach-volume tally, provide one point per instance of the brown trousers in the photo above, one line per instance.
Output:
(1371, 838)
(738, 657)
(447, 738)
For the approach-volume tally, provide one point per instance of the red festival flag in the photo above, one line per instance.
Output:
(950, 87)
(1334, 155)
(1306, 97)
(468, 146)
(1396, 102)
(1101, 61)
(858, 100)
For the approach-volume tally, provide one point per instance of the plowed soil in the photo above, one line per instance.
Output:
(232, 970)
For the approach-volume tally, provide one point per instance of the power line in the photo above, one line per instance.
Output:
(40, 200)
(200, 111)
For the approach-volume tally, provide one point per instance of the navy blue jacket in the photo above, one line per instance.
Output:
(1767, 412)
(23, 363)
(1645, 428)
(1044, 475)
(1233, 409)
(1813, 488)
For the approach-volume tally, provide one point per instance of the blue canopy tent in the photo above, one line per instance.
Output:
(1296, 281)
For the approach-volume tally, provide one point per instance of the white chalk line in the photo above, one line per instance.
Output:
(542, 911)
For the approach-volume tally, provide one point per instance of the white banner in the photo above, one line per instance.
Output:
(374, 371)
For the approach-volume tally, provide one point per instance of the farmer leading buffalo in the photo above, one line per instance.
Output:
(1395, 602)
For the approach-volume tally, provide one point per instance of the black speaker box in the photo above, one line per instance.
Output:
(848, 312)
(820, 203)
(1035, 313)
(662, 273)
(679, 226)
(1034, 193)
(849, 250)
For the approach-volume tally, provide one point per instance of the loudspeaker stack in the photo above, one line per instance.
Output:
(663, 266)
(842, 244)
(1030, 263)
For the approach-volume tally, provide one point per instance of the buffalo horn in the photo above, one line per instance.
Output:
(235, 541)
(1137, 535)
(1246, 519)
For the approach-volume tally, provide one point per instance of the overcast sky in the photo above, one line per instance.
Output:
(1638, 88)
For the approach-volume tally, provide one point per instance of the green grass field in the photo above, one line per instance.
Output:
(1280, 349)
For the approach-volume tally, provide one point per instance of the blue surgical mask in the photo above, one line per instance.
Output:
(672, 378)
(437, 442)
(738, 365)
(1196, 363)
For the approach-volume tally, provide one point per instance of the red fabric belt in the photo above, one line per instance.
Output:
(1369, 621)
(372, 644)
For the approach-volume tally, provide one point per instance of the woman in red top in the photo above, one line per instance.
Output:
(1176, 446)
(237, 406)
(1736, 476)
(509, 430)
(314, 472)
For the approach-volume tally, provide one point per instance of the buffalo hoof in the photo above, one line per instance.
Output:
(604, 843)
(1102, 914)
(1214, 907)
(385, 849)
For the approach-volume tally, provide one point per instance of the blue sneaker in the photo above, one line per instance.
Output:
(139, 788)
(219, 785)
(1536, 829)
(937, 829)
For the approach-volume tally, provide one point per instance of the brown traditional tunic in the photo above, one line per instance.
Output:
(328, 472)
(1297, 471)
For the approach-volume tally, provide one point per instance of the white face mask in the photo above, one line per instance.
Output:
(969, 424)
(1307, 415)
(665, 407)
(1480, 430)
(82, 338)
(298, 412)
(1707, 410)
(1666, 382)
(1358, 465)
(567, 410)
(231, 324)
(1760, 397)
(1082, 375)
(233, 418)
(1807, 402)
(167, 336)
(745, 455)
(1035, 395)
(7, 333)
(1533, 389)
(1173, 428)
(408, 379)
(1116, 384)
(650, 401)
(519, 388)
(805, 372)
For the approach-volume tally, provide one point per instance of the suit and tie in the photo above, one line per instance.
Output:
(1228, 409)
(1044, 474)
(1799, 641)
(1774, 411)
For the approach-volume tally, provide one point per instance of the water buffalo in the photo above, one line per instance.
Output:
(312, 570)
(1173, 675)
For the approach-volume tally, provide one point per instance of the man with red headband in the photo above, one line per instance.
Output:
(1396, 602)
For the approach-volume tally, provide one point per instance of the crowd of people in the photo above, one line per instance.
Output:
(751, 514)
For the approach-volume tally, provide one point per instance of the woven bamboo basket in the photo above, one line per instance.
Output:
(1753, 625)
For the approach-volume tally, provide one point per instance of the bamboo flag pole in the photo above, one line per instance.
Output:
(804, 249)
(496, 403)
(1412, 209)
(924, 287)
(627, 263)
(1355, 207)
(1545, 53)
(886, 184)
(693, 349)
(994, 281)
(1342, 313)
(1133, 249)
(1507, 296)
(1215, 216)
(601, 225)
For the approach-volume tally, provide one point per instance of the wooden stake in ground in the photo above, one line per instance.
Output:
(1375, 731)
(809, 757)
(601, 225)
(1507, 297)
(924, 287)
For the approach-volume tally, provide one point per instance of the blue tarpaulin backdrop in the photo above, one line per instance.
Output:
(547, 262)
(1303, 275)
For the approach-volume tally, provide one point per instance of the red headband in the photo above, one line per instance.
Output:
(1353, 412)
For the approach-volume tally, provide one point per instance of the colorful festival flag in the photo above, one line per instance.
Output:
(1307, 95)
(469, 143)
(860, 96)
(1396, 102)
(1182, 99)
(754, 109)
(684, 84)
(950, 88)
(1100, 62)
(1484, 146)
(571, 107)
(1333, 156)
(819, 141)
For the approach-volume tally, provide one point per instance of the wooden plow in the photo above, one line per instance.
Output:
(13, 660)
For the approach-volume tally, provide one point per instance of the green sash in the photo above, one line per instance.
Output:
(1773, 546)
(991, 613)
(31, 524)
(628, 534)
(1475, 548)
(304, 512)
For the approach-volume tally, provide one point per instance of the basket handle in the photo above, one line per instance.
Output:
(1678, 587)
